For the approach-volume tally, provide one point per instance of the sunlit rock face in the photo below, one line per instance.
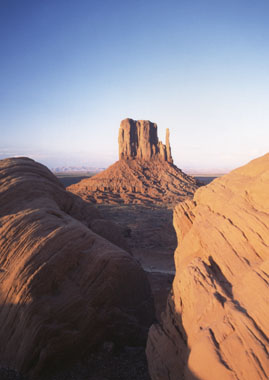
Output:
(144, 174)
(139, 139)
(63, 288)
(216, 321)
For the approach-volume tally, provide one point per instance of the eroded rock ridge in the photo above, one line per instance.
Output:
(64, 289)
(216, 321)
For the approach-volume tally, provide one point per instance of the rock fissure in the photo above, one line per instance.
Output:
(217, 346)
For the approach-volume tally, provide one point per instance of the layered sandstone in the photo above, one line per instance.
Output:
(216, 321)
(63, 288)
(144, 174)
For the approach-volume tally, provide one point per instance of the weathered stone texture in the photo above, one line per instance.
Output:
(216, 322)
(63, 288)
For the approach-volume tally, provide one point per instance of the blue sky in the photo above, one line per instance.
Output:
(70, 71)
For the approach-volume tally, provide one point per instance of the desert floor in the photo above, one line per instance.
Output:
(152, 241)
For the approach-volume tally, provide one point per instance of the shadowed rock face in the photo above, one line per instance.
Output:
(216, 322)
(144, 174)
(139, 139)
(63, 288)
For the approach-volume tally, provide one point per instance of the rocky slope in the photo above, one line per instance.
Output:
(136, 181)
(63, 288)
(216, 322)
(144, 174)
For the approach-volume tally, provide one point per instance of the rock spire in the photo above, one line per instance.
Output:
(168, 147)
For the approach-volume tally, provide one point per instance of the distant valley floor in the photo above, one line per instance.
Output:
(69, 179)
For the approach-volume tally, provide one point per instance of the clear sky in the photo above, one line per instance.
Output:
(71, 70)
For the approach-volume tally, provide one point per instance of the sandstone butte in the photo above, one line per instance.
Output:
(63, 288)
(144, 173)
(216, 324)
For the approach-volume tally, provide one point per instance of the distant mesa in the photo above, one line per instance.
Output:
(144, 174)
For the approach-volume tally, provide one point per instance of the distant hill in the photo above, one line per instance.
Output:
(76, 169)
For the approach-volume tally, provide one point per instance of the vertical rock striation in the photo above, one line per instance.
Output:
(216, 321)
(139, 139)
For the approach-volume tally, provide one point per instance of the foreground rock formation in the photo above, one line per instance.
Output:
(216, 322)
(144, 174)
(63, 288)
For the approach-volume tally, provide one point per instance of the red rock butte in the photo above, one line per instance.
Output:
(144, 174)
(139, 139)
